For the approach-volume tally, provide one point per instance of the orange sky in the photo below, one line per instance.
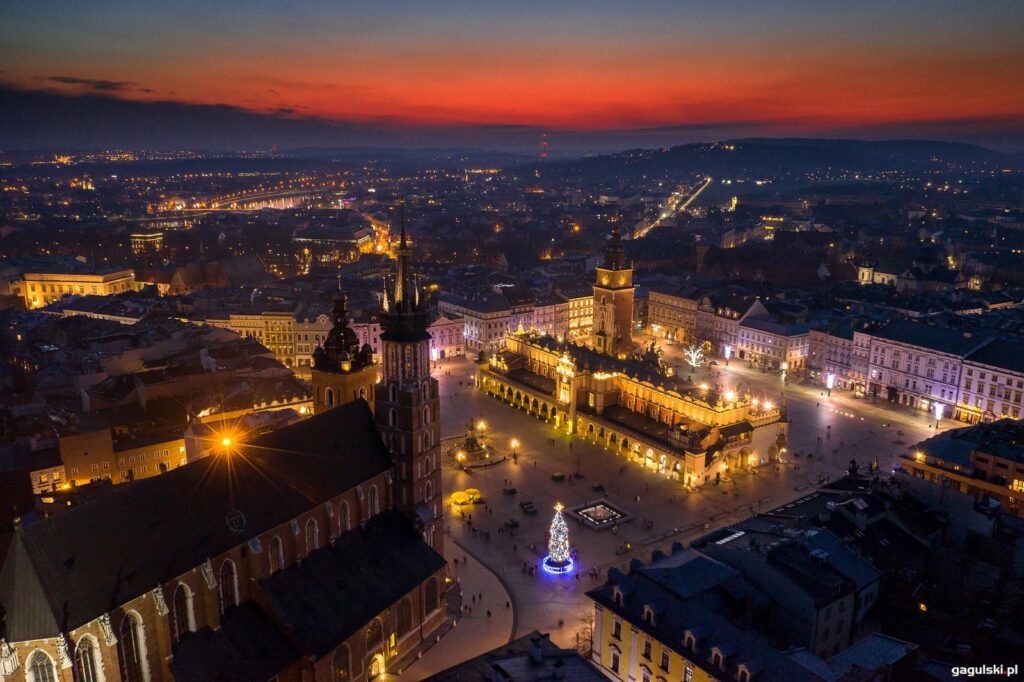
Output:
(803, 68)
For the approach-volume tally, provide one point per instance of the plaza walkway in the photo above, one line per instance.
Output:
(475, 633)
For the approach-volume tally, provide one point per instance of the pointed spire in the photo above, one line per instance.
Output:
(401, 244)
(403, 281)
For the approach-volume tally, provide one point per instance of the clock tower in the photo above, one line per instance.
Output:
(613, 301)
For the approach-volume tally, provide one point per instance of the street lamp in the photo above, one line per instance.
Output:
(481, 425)
(728, 354)
(730, 396)
(830, 381)
(939, 409)
(515, 444)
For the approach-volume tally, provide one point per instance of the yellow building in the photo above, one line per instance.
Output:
(634, 407)
(686, 617)
(42, 286)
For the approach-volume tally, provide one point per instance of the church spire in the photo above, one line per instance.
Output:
(614, 253)
(404, 295)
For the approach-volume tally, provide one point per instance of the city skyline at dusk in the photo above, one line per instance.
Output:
(593, 75)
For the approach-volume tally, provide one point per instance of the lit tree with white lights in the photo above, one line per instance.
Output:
(694, 356)
(558, 545)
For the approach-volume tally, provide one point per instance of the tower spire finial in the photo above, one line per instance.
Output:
(401, 243)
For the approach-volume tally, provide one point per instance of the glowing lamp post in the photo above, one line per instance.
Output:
(558, 560)
(939, 409)
(728, 354)
(515, 446)
(830, 381)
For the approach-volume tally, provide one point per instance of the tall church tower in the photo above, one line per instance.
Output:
(613, 301)
(407, 405)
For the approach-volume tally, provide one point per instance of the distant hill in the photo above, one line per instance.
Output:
(774, 157)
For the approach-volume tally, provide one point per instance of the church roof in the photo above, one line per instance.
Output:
(340, 588)
(88, 560)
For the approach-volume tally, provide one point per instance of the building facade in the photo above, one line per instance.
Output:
(672, 315)
(44, 286)
(689, 433)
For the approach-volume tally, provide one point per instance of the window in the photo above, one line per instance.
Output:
(614, 665)
(404, 616)
(312, 539)
(131, 649)
(344, 520)
(688, 674)
(716, 658)
(40, 668)
(228, 585)
(372, 501)
(430, 596)
(340, 664)
(647, 649)
(664, 661)
(617, 629)
(645, 674)
(374, 634)
(744, 675)
(276, 554)
(86, 660)
(184, 620)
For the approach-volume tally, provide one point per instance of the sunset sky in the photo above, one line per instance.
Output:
(678, 70)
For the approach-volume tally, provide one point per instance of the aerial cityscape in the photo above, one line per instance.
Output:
(644, 342)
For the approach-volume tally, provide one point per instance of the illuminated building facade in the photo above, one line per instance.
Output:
(146, 242)
(687, 432)
(46, 285)
(985, 461)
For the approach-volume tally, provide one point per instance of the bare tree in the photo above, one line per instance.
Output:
(694, 356)
(585, 635)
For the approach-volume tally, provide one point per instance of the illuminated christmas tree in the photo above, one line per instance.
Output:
(558, 559)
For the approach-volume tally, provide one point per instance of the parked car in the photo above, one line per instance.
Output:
(528, 507)
(558, 477)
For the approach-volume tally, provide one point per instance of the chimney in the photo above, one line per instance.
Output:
(536, 654)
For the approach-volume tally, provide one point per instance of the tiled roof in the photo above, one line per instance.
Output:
(339, 588)
(90, 559)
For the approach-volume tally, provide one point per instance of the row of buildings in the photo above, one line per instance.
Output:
(955, 370)
(310, 552)
(968, 373)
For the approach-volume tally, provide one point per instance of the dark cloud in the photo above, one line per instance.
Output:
(97, 84)
(96, 116)
(709, 125)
